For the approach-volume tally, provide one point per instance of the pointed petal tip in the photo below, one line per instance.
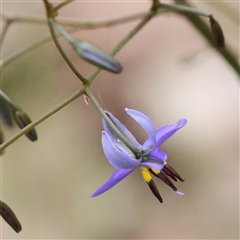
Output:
(182, 122)
(93, 196)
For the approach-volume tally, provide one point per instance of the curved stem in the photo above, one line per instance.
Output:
(79, 93)
(60, 5)
(41, 119)
(4, 31)
(182, 9)
(75, 24)
(55, 39)
(125, 40)
(24, 51)
(203, 28)
(129, 144)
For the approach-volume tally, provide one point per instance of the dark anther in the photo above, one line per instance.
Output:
(154, 190)
(166, 180)
(170, 174)
(170, 169)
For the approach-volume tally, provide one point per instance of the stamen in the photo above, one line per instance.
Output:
(170, 174)
(166, 180)
(146, 175)
(155, 191)
(174, 172)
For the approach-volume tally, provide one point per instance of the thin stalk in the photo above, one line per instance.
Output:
(6, 98)
(182, 9)
(124, 41)
(62, 5)
(75, 24)
(4, 31)
(24, 51)
(51, 21)
(55, 39)
(203, 28)
(129, 144)
(41, 119)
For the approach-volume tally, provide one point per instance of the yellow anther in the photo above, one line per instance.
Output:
(146, 175)
(155, 171)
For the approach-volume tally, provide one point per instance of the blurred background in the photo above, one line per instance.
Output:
(169, 72)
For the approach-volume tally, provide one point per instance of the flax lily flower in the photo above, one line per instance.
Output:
(151, 159)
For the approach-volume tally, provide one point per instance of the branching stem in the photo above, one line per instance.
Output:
(62, 5)
(41, 119)
(124, 41)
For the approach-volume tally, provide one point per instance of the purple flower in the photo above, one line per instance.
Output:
(150, 159)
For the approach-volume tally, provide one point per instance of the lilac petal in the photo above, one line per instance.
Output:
(154, 163)
(121, 127)
(145, 122)
(118, 158)
(159, 154)
(116, 177)
(163, 133)
(156, 159)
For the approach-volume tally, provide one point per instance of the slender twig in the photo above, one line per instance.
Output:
(75, 22)
(80, 92)
(24, 51)
(203, 28)
(124, 41)
(70, 22)
(62, 5)
(41, 119)
(182, 9)
(50, 16)
(92, 25)
(225, 8)
(4, 31)
(6, 98)
(55, 39)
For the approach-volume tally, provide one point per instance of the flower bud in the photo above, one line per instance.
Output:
(217, 32)
(1, 140)
(9, 216)
(5, 112)
(96, 56)
(1, 137)
(22, 120)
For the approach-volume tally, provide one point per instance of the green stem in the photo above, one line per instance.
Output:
(4, 31)
(74, 23)
(24, 51)
(6, 98)
(182, 9)
(203, 28)
(62, 5)
(55, 39)
(41, 119)
(128, 143)
(51, 22)
(65, 34)
(79, 93)
(124, 41)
